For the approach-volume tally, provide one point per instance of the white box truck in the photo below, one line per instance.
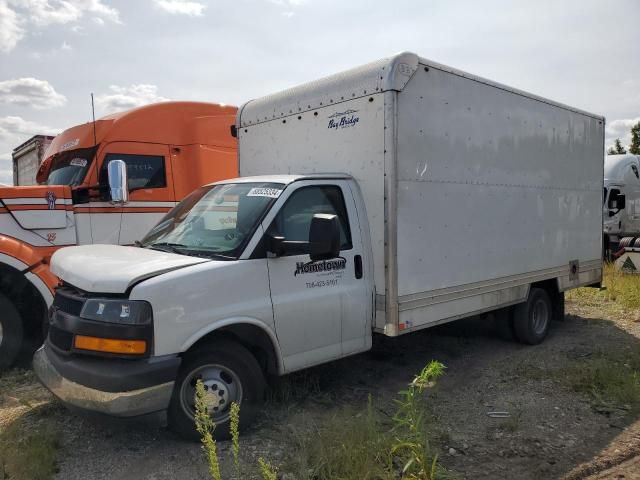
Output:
(454, 196)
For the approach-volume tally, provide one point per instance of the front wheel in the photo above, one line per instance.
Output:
(531, 319)
(11, 333)
(229, 373)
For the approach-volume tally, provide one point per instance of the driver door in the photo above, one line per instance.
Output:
(320, 308)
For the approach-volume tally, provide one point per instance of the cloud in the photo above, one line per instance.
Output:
(51, 12)
(6, 169)
(10, 30)
(30, 92)
(620, 129)
(288, 6)
(16, 130)
(288, 3)
(181, 7)
(124, 98)
(16, 16)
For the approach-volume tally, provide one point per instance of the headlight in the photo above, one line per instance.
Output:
(130, 312)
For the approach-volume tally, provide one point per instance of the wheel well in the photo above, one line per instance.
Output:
(253, 338)
(27, 300)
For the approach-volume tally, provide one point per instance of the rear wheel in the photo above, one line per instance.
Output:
(531, 319)
(11, 332)
(229, 373)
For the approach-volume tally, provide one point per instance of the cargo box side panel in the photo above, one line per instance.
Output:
(491, 185)
(344, 138)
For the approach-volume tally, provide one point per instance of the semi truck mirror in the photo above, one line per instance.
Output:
(118, 186)
(324, 237)
(622, 201)
(617, 201)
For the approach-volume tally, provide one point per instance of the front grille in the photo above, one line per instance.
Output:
(68, 300)
(60, 338)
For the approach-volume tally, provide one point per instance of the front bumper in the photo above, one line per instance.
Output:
(129, 403)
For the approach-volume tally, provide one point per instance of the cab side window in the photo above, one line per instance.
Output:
(294, 219)
(143, 171)
(635, 171)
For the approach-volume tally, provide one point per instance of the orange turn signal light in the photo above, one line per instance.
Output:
(110, 345)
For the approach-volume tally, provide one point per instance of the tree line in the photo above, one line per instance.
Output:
(634, 148)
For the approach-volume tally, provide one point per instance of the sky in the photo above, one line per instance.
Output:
(55, 53)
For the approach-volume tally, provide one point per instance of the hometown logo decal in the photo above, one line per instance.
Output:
(339, 263)
(344, 119)
(51, 200)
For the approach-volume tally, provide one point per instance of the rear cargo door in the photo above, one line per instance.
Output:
(320, 308)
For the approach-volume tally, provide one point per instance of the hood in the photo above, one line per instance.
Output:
(114, 268)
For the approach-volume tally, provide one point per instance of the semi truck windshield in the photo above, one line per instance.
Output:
(70, 168)
(215, 221)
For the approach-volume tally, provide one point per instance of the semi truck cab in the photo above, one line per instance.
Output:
(621, 215)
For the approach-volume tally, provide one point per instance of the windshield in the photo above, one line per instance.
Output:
(69, 168)
(215, 221)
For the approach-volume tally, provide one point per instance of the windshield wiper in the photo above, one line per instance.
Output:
(168, 247)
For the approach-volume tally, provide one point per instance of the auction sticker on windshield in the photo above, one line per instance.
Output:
(264, 192)
(78, 162)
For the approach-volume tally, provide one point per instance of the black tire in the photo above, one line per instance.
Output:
(11, 333)
(503, 321)
(236, 368)
(531, 319)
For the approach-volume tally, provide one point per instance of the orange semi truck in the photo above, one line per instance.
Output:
(169, 148)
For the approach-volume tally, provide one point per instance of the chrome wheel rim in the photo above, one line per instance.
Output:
(222, 387)
(540, 316)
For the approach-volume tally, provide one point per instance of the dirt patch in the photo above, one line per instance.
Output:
(549, 430)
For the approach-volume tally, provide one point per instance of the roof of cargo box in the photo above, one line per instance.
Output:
(391, 73)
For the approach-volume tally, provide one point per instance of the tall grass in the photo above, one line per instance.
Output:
(354, 445)
(349, 445)
(620, 288)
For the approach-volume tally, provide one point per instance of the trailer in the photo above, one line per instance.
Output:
(382, 200)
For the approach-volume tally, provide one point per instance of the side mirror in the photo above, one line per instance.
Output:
(617, 201)
(622, 201)
(275, 245)
(118, 186)
(324, 237)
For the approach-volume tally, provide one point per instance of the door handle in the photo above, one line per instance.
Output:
(357, 263)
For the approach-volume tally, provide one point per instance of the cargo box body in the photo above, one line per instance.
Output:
(473, 190)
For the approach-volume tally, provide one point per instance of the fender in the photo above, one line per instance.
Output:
(235, 321)
(32, 262)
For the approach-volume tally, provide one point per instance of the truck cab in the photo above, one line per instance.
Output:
(169, 149)
(621, 207)
(286, 258)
